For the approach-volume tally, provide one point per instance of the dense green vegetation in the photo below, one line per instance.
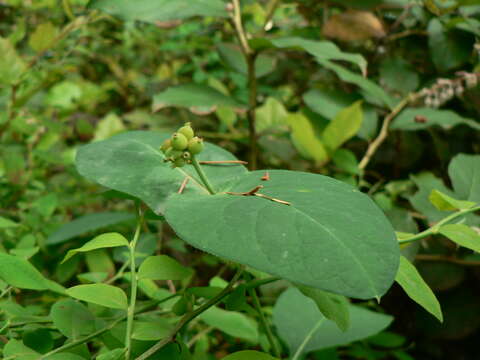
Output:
(324, 203)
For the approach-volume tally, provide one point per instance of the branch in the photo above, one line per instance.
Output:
(375, 144)
(449, 259)
(190, 316)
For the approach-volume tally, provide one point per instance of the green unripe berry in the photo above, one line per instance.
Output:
(179, 141)
(179, 162)
(186, 155)
(195, 145)
(187, 131)
(166, 145)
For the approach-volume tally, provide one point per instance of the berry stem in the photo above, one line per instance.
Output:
(202, 175)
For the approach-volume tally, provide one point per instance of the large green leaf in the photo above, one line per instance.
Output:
(233, 57)
(87, 223)
(447, 119)
(160, 10)
(11, 65)
(19, 273)
(107, 240)
(416, 288)
(72, 318)
(131, 163)
(331, 237)
(446, 203)
(304, 328)
(201, 99)
(163, 267)
(100, 294)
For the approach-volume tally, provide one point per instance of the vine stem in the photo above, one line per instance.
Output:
(434, 229)
(133, 290)
(382, 135)
(307, 339)
(250, 57)
(256, 303)
(202, 175)
(190, 316)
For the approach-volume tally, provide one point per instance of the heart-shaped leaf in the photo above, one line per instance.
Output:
(131, 163)
(331, 236)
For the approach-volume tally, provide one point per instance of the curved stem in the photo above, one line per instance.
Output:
(307, 339)
(133, 291)
(202, 175)
(434, 229)
(190, 316)
(256, 303)
(382, 135)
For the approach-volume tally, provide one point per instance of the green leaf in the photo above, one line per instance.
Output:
(464, 171)
(7, 223)
(64, 356)
(20, 273)
(160, 10)
(271, 114)
(115, 354)
(449, 49)
(249, 355)
(100, 294)
(446, 119)
(344, 126)
(329, 103)
(15, 349)
(11, 65)
(345, 160)
(398, 76)
(233, 57)
(86, 223)
(446, 203)
(72, 318)
(107, 127)
(43, 37)
(163, 267)
(151, 330)
(200, 99)
(303, 327)
(305, 139)
(232, 323)
(38, 339)
(333, 307)
(331, 237)
(427, 182)
(462, 235)
(322, 50)
(416, 288)
(107, 240)
(150, 178)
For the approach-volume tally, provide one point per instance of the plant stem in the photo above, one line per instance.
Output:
(271, 7)
(190, 316)
(375, 144)
(202, 175)
(256, 303)
(133, 291)
(307, 339)
(68, 9)
(434, 229)
(250, 57)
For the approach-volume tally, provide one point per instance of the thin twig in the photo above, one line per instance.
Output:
(271, 7)
(449, 259)
(190, 316)
(375, 144)
(184, 184)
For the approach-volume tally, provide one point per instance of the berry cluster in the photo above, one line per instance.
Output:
(182, 146)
